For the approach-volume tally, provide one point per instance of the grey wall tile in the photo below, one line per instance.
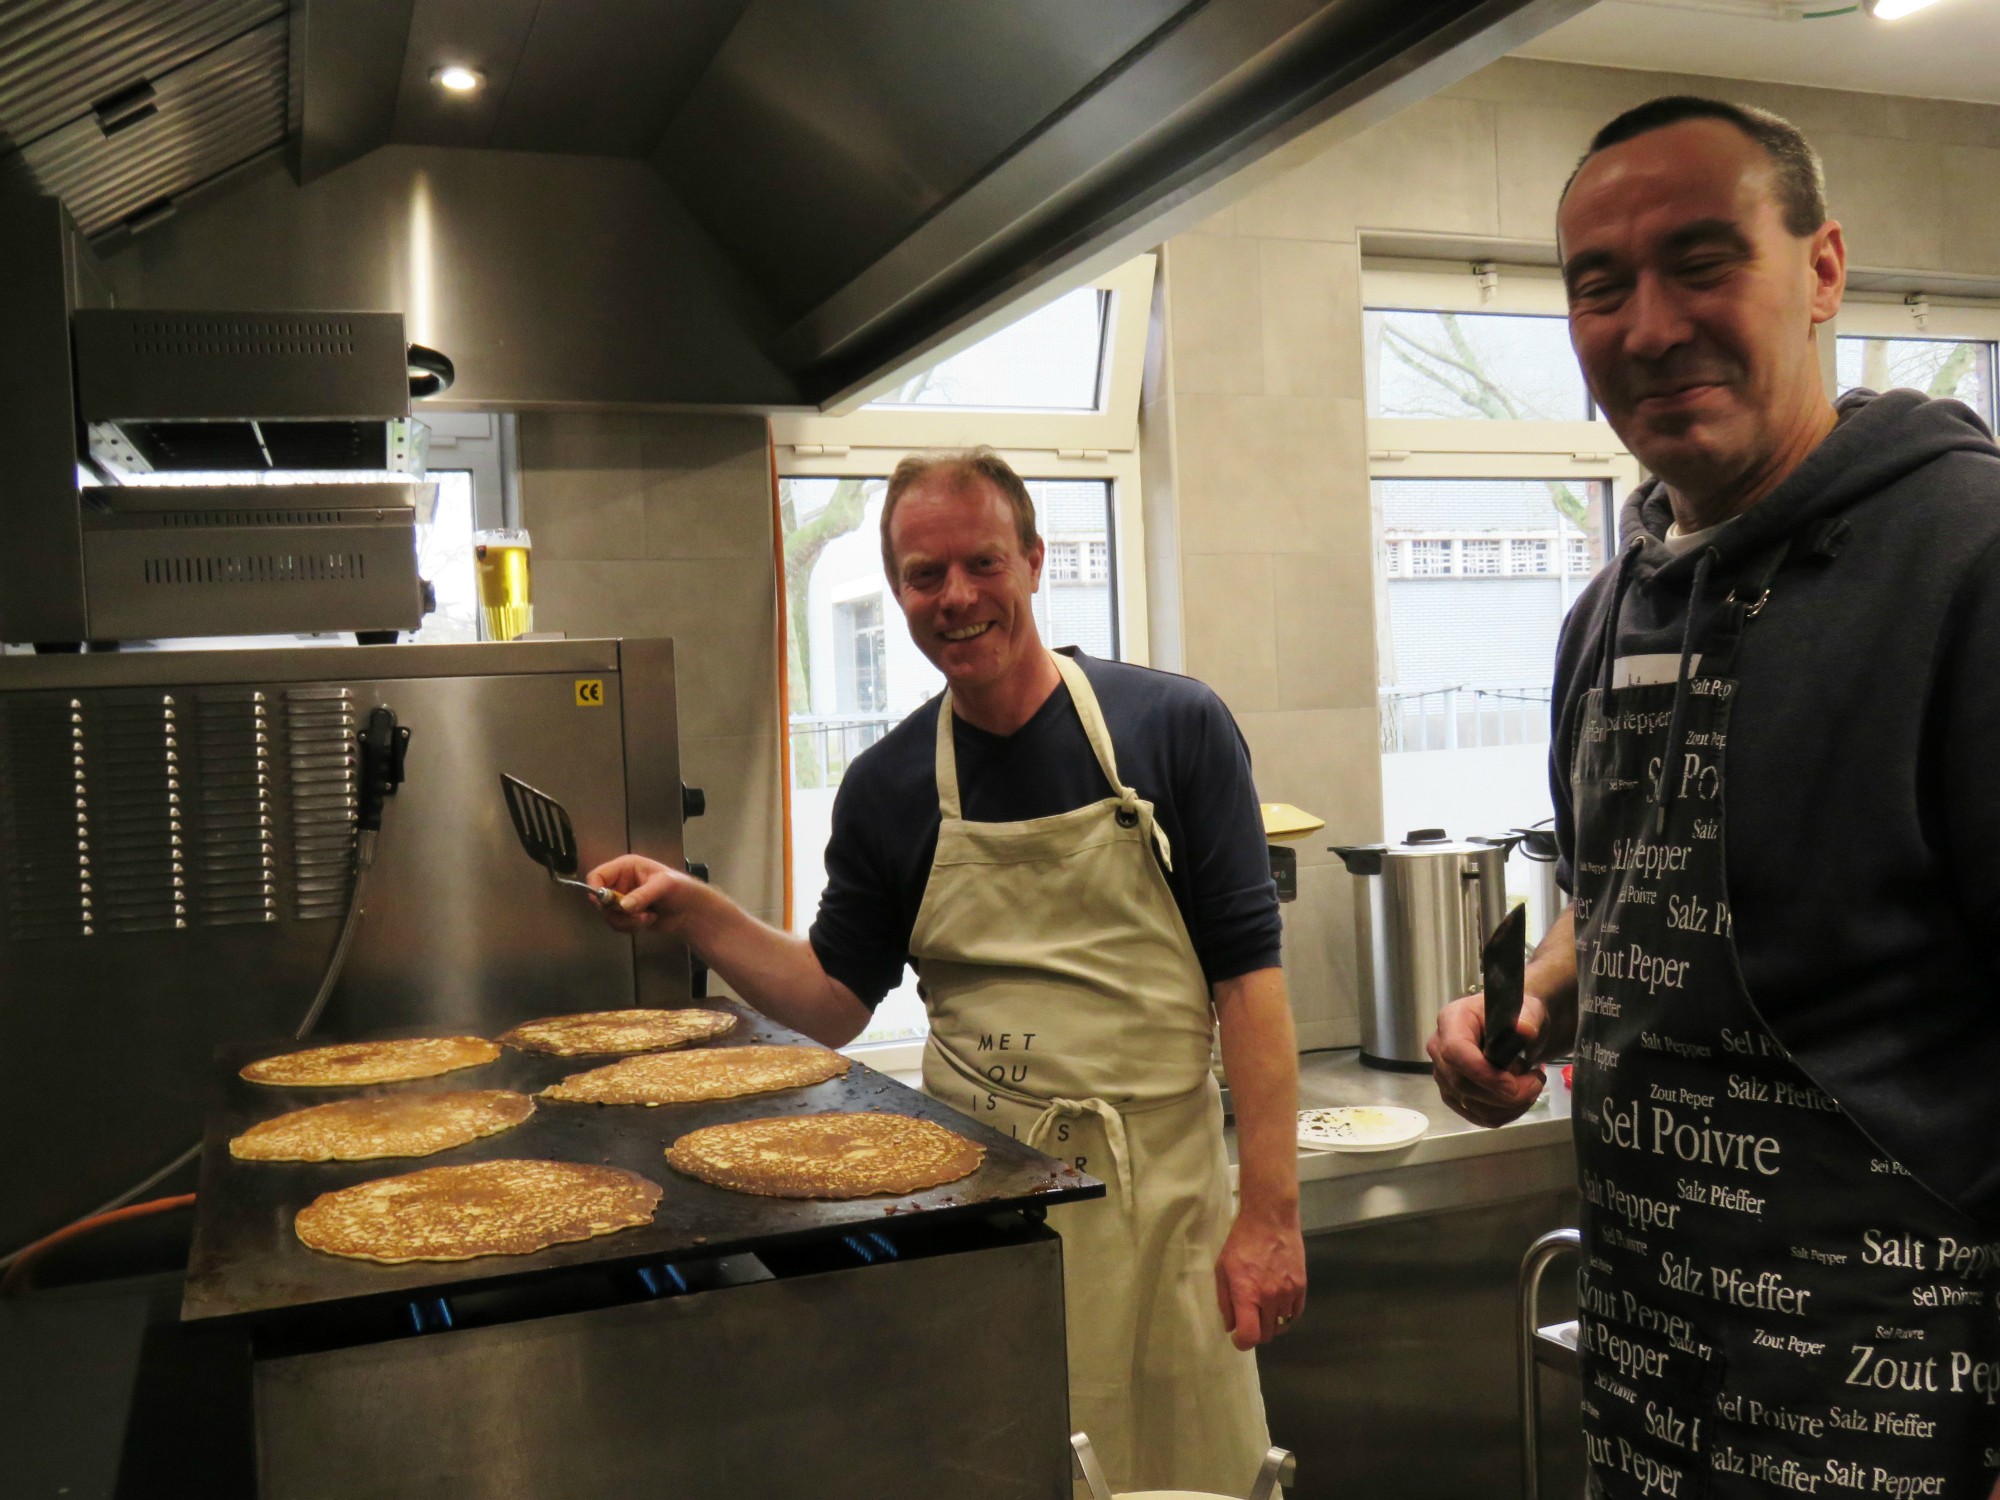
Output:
(1321, 973)
(1212, 285)
(1538, 149)
(1889, 196)
(720, 613)
(1430, 167)
(1232, 642)
(1971, 186)
(1267, 473)
(1311, 314)
(596, 514)
(1327, 761)
(1325, 624)
(741, 834)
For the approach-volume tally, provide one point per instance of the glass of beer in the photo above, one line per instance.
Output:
(506, 607)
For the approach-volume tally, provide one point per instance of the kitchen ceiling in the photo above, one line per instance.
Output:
(880, 174)
(1950, 51)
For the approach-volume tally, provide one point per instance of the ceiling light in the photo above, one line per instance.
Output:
(458, 80)
(1893, 10)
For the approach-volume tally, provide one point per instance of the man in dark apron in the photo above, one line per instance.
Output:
(1775, 769)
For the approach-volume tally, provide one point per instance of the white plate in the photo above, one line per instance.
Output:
(1360, 1127)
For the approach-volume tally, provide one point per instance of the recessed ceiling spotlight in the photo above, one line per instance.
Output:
(458, 80)
(1893, 10)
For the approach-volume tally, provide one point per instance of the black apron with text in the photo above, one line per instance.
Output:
(1770, 1303)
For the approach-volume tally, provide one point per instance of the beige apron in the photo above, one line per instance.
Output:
(1067, 1006)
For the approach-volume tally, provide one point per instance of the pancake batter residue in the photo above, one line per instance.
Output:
(383, 1125)
(691, 1077)
(619, 1031)
(826, 1156)
(349, 1063)
(484, 1208)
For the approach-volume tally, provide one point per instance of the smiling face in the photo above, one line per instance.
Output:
(1692, 307)
(965, 583)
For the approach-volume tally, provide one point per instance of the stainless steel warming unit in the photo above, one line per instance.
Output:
(178, 839)
(97, 404)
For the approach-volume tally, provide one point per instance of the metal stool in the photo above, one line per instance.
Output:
(1554, 1346)
(1279, 1466)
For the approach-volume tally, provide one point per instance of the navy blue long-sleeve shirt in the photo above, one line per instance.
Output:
(1176, 745)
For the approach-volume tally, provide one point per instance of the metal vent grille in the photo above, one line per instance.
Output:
(182, 336)
(59, 58)
(324, 787)
(201, 518)
(235, 862)
(44, 815)
(257, 567)
(134, 856)
(214, 113)
(136, 811)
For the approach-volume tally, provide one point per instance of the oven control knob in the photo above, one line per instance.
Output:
(694, 802)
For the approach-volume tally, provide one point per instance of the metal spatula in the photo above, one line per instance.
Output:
(546, 834)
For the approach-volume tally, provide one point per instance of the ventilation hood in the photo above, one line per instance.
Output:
(744, 204)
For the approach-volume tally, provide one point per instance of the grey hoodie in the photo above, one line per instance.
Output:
(1863, 775)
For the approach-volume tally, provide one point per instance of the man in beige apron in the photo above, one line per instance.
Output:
(1068, 1005)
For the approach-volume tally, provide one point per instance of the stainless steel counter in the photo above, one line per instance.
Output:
(1455, 1165)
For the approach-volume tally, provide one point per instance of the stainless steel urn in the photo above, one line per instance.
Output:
(1422, 914)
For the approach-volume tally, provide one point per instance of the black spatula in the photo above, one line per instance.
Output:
(546, 834)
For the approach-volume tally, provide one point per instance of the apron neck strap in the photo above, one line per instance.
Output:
(1087, 711)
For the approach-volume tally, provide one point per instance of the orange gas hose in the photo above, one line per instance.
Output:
(17, 1272)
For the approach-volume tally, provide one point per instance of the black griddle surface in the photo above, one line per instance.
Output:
(246, 1259)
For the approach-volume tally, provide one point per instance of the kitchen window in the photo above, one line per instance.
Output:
(1468, 366)
(1886, 341)
(1051, 360)
(1959, 368)
(1495, 486)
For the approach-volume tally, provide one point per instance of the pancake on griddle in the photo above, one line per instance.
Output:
(826, 1156)
(483, 1208)
(350, 1063)
(691, 1077)
(619, 1031)
(383, 1125)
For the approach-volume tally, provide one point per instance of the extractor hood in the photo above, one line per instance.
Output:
(738, 204)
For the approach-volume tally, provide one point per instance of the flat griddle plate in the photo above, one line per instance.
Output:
(247, 1260)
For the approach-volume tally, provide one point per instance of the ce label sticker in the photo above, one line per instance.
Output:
(590, 692)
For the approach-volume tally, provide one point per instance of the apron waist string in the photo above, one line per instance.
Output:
(1114, 1133)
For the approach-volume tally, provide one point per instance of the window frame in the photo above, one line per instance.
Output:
(1474, 448)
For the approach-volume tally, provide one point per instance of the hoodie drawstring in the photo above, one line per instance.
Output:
(1619, 584)
(1663, 790)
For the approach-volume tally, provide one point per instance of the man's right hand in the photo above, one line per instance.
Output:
(651, 894)
(1467, 1082)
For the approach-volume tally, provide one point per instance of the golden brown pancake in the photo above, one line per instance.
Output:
(826, 1156)
(483, 1208)
(619, 1031)
(689, 1077)
(350, 1063)
(384, 1125)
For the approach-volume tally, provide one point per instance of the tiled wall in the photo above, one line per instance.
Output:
(1254, 438)
(657, 525)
